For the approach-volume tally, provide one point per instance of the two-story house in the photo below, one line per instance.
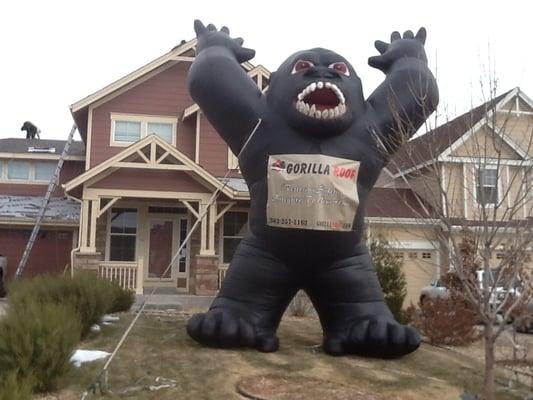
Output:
(151, 163)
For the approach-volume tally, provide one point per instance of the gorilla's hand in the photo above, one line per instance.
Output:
(209, 37)
(410, 46)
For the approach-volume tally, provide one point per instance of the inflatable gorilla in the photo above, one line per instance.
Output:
(309, 166)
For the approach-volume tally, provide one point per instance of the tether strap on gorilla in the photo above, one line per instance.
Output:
(101, 379)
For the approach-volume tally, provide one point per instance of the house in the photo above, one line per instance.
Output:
(149, 164)
(26, 166)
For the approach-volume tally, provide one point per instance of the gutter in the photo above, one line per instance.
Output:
(77, 248)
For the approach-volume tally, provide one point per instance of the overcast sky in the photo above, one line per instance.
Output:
(54, 53)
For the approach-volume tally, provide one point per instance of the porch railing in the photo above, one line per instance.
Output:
(129, 275)
(221, 274)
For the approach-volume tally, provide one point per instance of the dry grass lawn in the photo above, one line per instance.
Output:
(159, 353)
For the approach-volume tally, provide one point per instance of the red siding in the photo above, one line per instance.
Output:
(213, 150)
(70, 170)
(165, 94)
(50, 253)
(160, 180)
(187, 137)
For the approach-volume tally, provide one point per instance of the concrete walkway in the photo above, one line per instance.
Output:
(175, 302)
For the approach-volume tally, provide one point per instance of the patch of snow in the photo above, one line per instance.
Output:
(110, 318)
(84, 356)
(96, 328)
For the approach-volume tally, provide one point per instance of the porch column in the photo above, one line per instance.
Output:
(207, 244)
(211, 232)
(84, 221)
(95, 210)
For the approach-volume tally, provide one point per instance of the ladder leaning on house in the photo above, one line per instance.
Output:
(51, 187)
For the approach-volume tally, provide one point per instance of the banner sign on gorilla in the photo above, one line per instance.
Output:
(312, 191)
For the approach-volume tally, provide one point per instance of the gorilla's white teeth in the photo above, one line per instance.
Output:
(320, 85)
(311, 110)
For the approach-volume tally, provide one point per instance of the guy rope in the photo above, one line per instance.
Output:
(101, 379)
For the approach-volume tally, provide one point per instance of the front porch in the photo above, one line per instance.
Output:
(138, 209)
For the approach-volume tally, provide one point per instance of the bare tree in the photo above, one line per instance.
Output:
(473, 176)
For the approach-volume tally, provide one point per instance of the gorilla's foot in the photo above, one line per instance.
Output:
(226, 329)
(379, 337)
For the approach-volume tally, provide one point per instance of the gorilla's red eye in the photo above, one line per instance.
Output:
(302, 65)
(341, 68)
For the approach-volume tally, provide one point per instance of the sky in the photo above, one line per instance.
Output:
(53, 53)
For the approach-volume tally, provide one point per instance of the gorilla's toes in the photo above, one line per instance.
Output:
(226, 329)
(381, 338)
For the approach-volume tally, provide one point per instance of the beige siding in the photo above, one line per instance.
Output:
(484, 143)
(425, 183)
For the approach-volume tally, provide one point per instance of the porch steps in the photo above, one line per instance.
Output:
(174, 302)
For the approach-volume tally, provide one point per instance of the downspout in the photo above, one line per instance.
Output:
(79, 234)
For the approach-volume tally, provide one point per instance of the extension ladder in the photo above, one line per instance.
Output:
(51, 187)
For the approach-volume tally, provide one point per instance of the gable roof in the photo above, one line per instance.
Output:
(22, 146)
(425, 149)
(152, 152)
(184, 52)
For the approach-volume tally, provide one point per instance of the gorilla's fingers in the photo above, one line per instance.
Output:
(421, 35)
(381, 46)
(247, 333)
(377, 62)
(225, 30)
(395, 36)
(359, 333)
(377, 333)
(412, 338)
(199, 27)
(229, 330)
(267, 344)
(408, 34)
(239, 41)
(209, 327)
(333, 346)
(397, 335)
(211, 27)
(194, 325)
(245, 54)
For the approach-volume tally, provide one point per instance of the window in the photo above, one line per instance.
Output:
(127, 128)
(426, 255)
(18, 170)
(500, 256)
(27, 171)
(234, 229)
(127, 131)
(164, 131)
(487, 186)
(413, 255)
(44, 171)
(122, 234)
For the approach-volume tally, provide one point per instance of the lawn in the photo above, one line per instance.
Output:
(159, 352)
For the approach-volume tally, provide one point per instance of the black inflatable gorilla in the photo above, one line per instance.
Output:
(32, 131)
(309, 167)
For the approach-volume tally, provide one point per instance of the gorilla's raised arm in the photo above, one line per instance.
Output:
(217, 82)
(409, 93)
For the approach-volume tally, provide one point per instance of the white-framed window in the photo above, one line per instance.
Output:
(27, 171)
(487, 185)
(128, 128)
(233, 161)
(18, 170)
(233, 228)
(44, 170)
(426, 255)
(122, 234)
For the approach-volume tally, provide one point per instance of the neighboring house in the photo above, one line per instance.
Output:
(151, 166)
(26, 167)
(482, 159)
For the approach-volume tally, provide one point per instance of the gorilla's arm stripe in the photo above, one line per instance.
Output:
(404, 101)
(226, 94)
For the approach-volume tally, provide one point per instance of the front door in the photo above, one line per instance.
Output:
(167, 233)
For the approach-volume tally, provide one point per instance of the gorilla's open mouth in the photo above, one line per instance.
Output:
(321, 100)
